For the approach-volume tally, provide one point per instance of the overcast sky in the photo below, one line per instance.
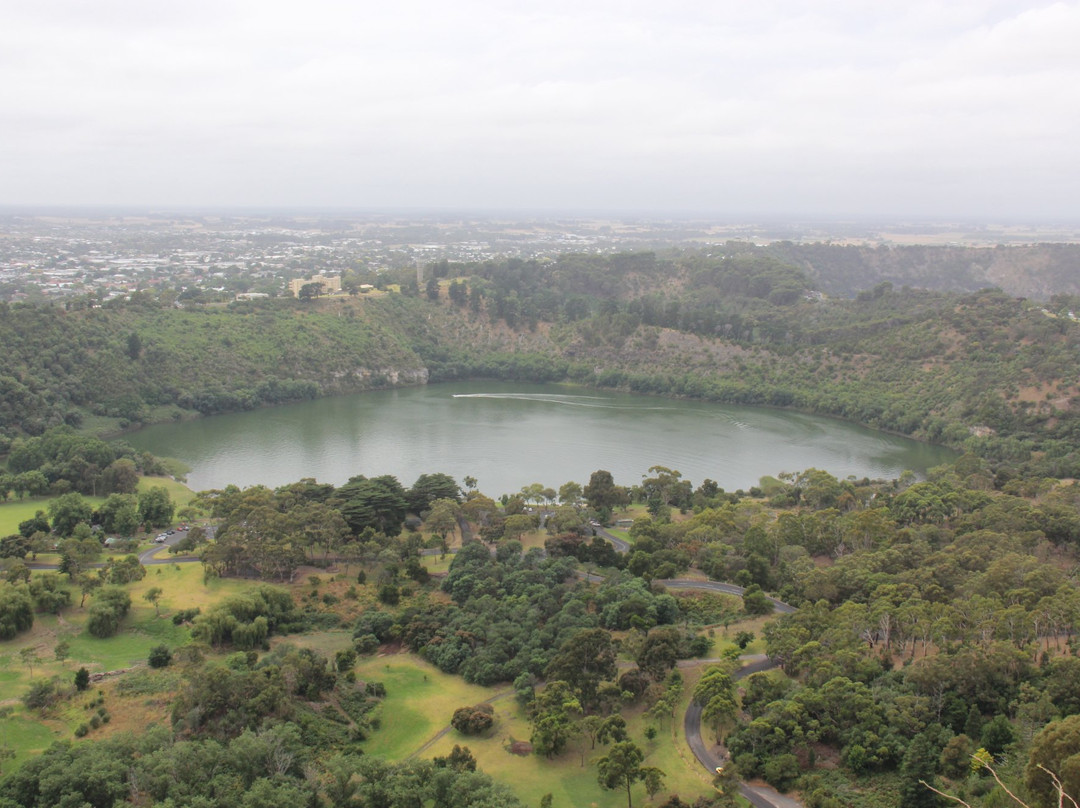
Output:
(824, 107)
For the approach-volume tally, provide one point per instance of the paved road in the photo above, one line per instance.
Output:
(717, 586)
(149, 557)
(758, 796)
(621, 545)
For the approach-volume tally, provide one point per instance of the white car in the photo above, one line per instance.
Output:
(160, 538)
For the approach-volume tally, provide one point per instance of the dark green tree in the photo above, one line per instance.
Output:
(160, 656)
(156, 508)
(603, 495)
(430, 487)
(16, 610)
(67, 511)
(621, 768)
(919, 766)
(1056, 748)
(583, 661)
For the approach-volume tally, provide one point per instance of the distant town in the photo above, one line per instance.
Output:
(222, 257)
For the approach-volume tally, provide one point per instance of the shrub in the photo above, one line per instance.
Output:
(345, 659)
(103, 621)
(16, 611)
(160, 656)
(366, 644)
(390, 594)
(109, 608)
(473, 720)
(82, 679)
(185, 616)
(42, 694)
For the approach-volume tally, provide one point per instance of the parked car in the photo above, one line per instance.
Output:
(160, 538)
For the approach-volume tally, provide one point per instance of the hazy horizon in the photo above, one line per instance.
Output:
(775, 111)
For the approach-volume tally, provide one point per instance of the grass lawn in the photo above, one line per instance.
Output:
(27, 734)
(420, 701)
(435, 564)
(14, 511)
(183, 587)
(180, 494)
(534, 538)
(142, 629)
(568, 781)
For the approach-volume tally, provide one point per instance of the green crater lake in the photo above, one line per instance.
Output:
(510, 435)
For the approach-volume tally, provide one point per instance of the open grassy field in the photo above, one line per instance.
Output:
(28, 732)
(180, 494)
(15, 511)
(421, 700)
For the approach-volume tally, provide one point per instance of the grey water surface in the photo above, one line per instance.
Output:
(509, 435)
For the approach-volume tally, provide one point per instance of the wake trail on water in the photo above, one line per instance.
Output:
(549, 398)
(587, 401)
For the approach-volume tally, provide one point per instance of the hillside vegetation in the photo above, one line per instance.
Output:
(984, 370)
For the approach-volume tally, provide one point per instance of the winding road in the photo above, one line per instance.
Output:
(758, 796)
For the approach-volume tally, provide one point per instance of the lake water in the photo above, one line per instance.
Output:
(510, 435)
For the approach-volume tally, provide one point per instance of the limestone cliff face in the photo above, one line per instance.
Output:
(366, 378)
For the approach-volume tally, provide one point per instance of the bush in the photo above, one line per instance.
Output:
(185, 616)
(81, 731)
(82, 679)
(160, 656)
(103, 622)
(473, 720)
(16, 610)
(345, 659)
(390, 595)
(781, 772)
(110, 606)
(42, 694)
(366, 644)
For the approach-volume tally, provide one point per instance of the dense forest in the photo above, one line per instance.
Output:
(929, 633)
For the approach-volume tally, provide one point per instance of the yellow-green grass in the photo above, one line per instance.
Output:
(27, 734)
(180, 494)
(435, 564)
(326, 643)
(534, 538)
(420, 701)
(565, 778)
(183, 587)
(13, 512)
(142, 629)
